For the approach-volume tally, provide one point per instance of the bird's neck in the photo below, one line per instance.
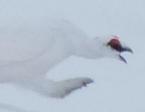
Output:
(90, 48)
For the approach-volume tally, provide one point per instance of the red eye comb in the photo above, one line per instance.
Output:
(115, 41)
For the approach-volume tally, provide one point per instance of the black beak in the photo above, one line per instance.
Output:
(125, 49)
(121, 58)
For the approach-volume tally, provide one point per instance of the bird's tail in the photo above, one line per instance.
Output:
(57, 89)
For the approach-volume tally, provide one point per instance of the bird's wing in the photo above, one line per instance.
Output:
(23, 55)
(57, 89)
(25, 39)
(28, 49)
(32, 47)
(22, 41)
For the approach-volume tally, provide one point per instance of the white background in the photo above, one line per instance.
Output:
(118, 87)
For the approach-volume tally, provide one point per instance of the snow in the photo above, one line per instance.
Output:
(118, 87)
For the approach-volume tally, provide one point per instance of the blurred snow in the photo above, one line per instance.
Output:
(118, 87)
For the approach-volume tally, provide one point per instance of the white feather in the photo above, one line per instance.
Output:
(30, 48)
(58, 89)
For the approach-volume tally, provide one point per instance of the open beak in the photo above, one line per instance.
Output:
(125, 49)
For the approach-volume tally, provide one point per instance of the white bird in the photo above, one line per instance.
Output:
(29, 49)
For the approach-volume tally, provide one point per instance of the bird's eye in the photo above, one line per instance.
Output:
(115, 44)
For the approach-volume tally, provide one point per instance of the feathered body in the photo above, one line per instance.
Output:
(29, 48)
(33, 47)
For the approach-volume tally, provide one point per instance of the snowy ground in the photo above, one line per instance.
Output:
(118, 87)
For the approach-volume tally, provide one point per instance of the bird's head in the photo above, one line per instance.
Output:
(113, 48)
(98, 47)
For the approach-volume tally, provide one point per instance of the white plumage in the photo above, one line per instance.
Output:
(30, 48)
